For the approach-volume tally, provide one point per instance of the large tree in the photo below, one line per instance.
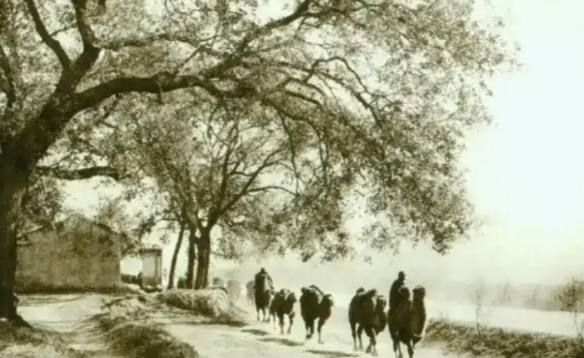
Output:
(389, 87)
(261, 181)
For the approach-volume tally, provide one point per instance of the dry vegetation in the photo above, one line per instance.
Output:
(212, 306)
(135, 323)
(500, 343)
(477, 339)
(141, 339)
(18, 342)
(128, 326)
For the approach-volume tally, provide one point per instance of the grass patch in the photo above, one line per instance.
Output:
(143, 340)
(212, 304)
(21, 342)
(492, 342)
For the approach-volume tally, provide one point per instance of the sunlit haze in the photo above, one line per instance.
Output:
(525, 173)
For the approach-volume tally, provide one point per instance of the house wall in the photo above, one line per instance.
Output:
(78, 256)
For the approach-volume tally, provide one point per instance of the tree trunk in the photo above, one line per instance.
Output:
(13, 180)
(203, 260)
(179, 241)
(191, 254)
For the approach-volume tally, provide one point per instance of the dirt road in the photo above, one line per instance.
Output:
(69, 315)
(261, 340)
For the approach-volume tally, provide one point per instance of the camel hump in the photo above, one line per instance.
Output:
(316, 289)
(405, 292)
(419, 292)
(371, 293)
(327, 300)
(381, 302)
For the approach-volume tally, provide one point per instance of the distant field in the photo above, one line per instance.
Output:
(556, 323)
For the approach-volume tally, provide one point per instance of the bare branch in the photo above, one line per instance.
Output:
(53, 44)
(225, 173)
(79, 174)
(186, 38)
(268, 162)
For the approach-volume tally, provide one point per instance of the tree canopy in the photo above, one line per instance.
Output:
(375, 94)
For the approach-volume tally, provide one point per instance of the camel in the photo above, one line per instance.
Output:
(283, 305)
(367, 313)
(218, 282)
(234, 290)
(407, 324)
(250, 292)
(315, 307)
(262, 297)
(380, 321)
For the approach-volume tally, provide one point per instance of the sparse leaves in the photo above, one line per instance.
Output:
(571, 295)
(41, 203)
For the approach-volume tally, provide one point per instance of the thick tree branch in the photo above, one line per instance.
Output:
(42, 131)
(158, 83)
(8, 87)
(268, 188)
(90, 52)
(53, 44)
(79, 174)
(167, 81)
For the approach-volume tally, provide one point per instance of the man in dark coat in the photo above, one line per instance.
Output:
(261, 274)
(394, 296)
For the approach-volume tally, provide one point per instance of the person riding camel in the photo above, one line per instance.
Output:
(264, 273)
(394, 296)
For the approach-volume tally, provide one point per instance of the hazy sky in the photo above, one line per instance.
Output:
(525, 173)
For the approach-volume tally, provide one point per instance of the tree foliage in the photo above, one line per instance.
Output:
(571, 295)
(41, 204)
(374, 94)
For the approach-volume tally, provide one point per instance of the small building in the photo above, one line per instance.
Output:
(73, 255)
(151, 266)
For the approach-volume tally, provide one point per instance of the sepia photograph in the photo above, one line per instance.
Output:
(291, 178)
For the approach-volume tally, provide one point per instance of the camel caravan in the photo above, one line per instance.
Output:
(405, 317)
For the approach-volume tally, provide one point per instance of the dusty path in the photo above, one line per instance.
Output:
(69, 315)
(261, 340)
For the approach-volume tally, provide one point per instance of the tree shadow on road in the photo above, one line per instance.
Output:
(255, 332)
(332, 354)
(284, 341)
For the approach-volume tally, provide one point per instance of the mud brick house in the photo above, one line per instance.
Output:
(73, 255)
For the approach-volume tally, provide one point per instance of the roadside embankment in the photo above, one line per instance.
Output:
(212, 306)
(22, 342)
(131, 330)
(482, 341)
